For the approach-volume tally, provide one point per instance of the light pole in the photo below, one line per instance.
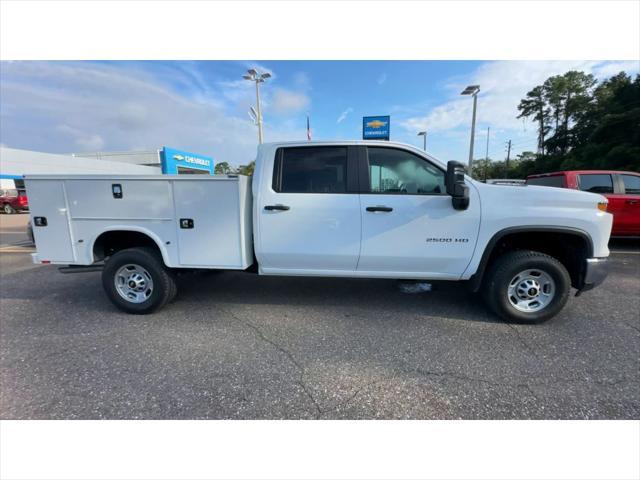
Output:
(258, 78)
(472, 90)
(423, 134)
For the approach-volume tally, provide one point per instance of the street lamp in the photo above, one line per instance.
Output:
(423, 134)
(258, 78)
(472, 90)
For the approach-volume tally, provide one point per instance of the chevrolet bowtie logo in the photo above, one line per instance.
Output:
(376, 124)
(178, 157)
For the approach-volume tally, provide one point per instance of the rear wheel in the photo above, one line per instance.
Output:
(526, 286)
(137, 282)
(8, 209)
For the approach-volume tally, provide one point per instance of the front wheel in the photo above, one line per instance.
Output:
(526, 286)
(137, 282)
(8, 209)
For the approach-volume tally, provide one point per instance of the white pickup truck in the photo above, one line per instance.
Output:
(335, 209)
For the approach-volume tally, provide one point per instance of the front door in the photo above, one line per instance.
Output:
(309, 220)
(409, 225)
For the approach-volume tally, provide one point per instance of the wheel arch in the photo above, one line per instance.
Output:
(503, 236)
(128, 237)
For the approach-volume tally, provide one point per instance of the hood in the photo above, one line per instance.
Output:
(538, 195)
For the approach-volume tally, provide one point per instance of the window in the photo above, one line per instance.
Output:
(553, 181)
(596, 183)
(10, 192)
(311, 170)
(631, 184)
(398, 171)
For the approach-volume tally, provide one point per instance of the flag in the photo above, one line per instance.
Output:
(308, 129)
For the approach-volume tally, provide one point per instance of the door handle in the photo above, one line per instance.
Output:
(631, 202)
(276, 207)
(379, 209)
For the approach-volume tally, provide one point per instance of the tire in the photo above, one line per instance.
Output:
(510, 286)
(153, 283)
(8, 209)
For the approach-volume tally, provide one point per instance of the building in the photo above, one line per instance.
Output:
(14, 164)
(170, 160)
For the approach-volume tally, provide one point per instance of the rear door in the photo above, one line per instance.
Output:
(629, 199)
(409, 225)
(603, 183)
(309, 217)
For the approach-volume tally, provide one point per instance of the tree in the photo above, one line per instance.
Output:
(534, 105)
(246, 169)
(577, 99)
(582, 124)
(222, 168)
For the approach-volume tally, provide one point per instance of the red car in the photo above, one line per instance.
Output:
(12, 200)
(622, 189)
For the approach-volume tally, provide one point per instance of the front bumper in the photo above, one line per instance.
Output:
(595, 271)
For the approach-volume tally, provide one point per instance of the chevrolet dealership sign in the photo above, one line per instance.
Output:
(376, 128)
(176, 161)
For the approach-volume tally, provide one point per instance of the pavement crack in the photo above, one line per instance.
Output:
(467, 378)
(632, 326)
(352, 397)
(524, 342)
(300, 381)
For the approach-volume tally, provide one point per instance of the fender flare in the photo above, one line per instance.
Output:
(476, 279)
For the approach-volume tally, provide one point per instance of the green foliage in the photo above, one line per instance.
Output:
(223, 168)
(581, 125)
(246, 169)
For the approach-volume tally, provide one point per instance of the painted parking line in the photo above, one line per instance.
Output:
(619, 252)
(16, 249)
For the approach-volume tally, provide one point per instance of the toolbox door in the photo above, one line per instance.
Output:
(47, 199)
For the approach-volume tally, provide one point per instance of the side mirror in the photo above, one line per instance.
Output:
(456, 187)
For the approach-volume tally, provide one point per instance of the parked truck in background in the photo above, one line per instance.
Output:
(622, 190)
(366, 209)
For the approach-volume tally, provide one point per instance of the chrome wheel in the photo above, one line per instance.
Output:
(133, 283)
(531, 290)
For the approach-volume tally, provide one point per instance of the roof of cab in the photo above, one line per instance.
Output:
(377, 143)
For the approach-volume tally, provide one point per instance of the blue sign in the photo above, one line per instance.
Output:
(376, 128)
(176, 161)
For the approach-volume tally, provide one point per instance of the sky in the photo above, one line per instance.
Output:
(202, 106)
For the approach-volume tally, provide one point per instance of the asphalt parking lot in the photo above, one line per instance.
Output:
(239, 346)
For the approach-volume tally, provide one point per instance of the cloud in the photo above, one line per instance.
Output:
(382, 78)
(302, 81)
(503, 84)
(64, 107)
(344, 115)
(285, 101)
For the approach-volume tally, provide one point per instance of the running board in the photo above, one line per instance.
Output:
(81, 268)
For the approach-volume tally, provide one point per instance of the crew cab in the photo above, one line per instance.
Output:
(622, 190)
(372, 209)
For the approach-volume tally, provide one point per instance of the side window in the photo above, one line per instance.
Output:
(397, 171)
(311, 170)
(551, 181)
(596, 183)
(631, 184)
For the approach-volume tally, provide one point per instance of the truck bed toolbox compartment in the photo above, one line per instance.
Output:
(196, 221)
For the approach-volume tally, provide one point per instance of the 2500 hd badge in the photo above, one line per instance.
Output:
(447, 240)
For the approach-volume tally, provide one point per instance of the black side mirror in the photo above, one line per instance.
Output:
(456, 187)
